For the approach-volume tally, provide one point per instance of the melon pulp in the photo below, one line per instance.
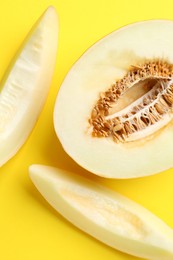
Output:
(104, 214)
(134, 66)
(26, 85)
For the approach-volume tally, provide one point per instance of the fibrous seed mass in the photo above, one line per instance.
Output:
(145, 115)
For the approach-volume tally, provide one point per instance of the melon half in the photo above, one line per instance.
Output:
(113, 113)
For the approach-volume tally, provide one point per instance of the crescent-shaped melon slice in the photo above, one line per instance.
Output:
(104, 214)
(113, 113)
(26, 85)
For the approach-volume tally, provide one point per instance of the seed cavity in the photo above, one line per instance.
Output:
(145, 115)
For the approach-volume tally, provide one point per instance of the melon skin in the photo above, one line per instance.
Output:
(26, 84)
(104, 214)
(101, 65)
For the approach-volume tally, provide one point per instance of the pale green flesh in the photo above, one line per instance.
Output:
(26, 86)
(104, 214)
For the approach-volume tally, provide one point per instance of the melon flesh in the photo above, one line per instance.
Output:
(104, 214)
(26, 85)
(103, 64)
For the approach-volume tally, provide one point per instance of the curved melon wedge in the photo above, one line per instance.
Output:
(104, 214)
(26, 86)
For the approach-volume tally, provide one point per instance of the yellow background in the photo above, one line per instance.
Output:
(29, 227)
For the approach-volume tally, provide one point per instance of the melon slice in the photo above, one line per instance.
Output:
(113, 114)
(104, 214)
(26, 85)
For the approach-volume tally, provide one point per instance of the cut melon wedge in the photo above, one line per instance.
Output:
(104, 214)
(26, 86)
(113, 113)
